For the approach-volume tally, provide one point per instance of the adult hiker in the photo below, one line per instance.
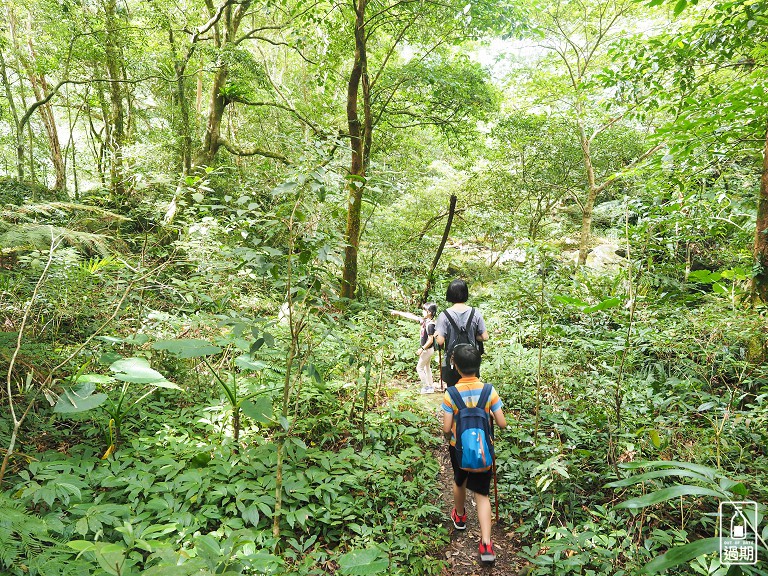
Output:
(459, 324)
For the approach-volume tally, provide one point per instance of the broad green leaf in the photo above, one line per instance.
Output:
(361, 562)
(79, 399)
(111, 339)
(668, 494)
(208, 547)
(168, 385)
(187, 347)
(246, 362)
(136, 370)
(632, 480)
(264, 562)
(80, 545)
(569, 300)
(94, 378)
(680, 6)
(156, 530)
(705, 471)
(110, 557)
(259, 409)
(655, 439)
(604, 305)
(681, 554)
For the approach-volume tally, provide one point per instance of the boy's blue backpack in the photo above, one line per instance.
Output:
(474, 433)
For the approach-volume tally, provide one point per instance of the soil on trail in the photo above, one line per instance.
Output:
(462, 553)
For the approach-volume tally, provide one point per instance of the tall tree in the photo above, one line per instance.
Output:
(26, 54)
(380, 28)
(115, 66)
(18, 133)
(579, 34)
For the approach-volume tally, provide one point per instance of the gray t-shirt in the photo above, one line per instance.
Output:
(444, 328)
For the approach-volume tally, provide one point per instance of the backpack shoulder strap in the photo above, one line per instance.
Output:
(456, 397)
(469, 320)
(485, 395)
(452, 321)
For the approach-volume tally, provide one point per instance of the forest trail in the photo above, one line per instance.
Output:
(461, 553)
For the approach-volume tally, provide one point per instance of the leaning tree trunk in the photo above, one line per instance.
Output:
(359, 139)
(443, 240)
(760, 281)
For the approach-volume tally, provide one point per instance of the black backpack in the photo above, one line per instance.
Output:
(461, 335)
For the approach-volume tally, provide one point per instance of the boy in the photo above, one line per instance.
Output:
(466, 359)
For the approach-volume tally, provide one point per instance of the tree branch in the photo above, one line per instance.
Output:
(240, 151)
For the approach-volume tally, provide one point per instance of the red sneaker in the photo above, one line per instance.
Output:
(460, 522)
(487, 554)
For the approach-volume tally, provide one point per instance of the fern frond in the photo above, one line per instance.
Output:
(21, 213)
(29, 236)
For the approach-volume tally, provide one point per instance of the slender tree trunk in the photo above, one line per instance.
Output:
(360, 139)
(18, 136)
(116, 140)
(186, 126)
(216, 106)
(40, 89)
(760, 281)
(225, 32)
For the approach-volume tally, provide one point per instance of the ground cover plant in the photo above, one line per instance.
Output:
(209, 209)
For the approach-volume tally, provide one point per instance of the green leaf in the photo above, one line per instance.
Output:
(79, 399)
(246, 362)
(668, 494)
(136, 370)
(94, 378)
(680, 6)
(632, 480)
(259, 409)
(360, 562)
(187, 347)
(681, 554)
(705, 471)
(604, 305)
(111, 557)
(655, 439)
(569, 300)
(80, 545)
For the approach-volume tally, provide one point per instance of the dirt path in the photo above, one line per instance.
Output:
(462, 554)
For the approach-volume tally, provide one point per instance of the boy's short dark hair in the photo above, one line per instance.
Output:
(457, 292)
(467, 358)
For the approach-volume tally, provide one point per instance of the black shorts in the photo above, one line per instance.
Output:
(478, 482)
